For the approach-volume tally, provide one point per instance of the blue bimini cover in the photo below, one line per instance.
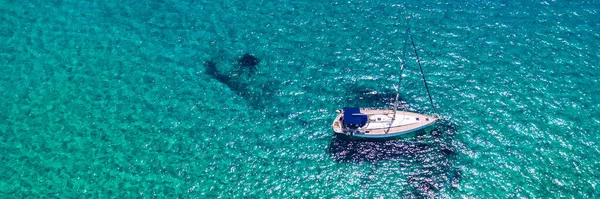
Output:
(353, 118)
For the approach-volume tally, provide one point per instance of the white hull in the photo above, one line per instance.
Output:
(382, 124)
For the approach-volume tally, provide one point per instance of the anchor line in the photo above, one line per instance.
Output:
(422, 74)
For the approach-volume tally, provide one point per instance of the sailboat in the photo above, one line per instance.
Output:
(371, 123)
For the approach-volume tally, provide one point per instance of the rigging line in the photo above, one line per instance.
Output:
(422, 74)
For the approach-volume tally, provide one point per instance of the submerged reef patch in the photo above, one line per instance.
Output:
(249, 61)
(256, 90)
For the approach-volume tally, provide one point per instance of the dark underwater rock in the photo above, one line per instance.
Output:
(249, 60)
(211, 69)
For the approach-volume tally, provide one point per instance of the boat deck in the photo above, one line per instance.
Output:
(380, 123)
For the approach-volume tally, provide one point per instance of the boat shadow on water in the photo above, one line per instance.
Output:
(352, 149)
(426, 156)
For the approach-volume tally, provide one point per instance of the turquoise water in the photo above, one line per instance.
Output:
(118, 99)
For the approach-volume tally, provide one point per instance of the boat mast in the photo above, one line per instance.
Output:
(402, 61)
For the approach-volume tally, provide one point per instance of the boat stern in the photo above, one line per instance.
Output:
(337, 123)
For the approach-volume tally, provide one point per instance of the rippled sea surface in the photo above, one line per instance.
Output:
(147, 98)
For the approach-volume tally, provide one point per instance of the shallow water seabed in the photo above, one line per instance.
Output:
(115, 99)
